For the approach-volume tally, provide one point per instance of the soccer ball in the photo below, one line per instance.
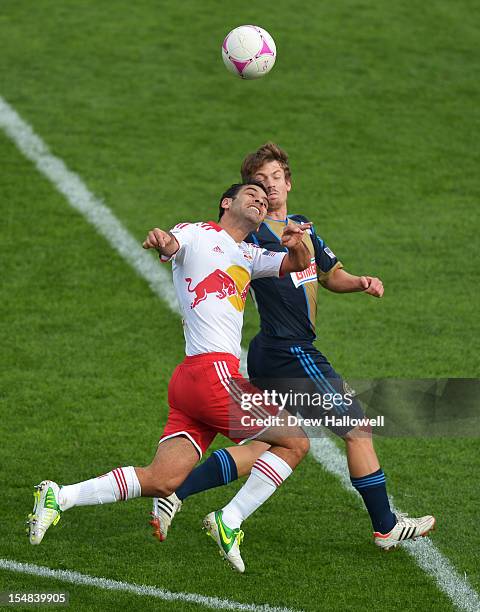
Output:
(249, 52)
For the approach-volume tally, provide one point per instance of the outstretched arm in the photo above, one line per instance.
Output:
(164, 242)
(341, 281)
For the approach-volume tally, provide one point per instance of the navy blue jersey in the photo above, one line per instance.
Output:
(288, 305)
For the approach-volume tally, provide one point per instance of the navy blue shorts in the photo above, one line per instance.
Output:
(287, 366)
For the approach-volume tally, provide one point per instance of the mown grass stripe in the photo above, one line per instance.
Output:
(79, 197)
(425, 553)
(427, 556)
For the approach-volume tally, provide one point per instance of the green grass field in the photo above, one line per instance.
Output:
(378, 105)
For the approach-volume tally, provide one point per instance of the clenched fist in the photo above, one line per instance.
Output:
(164, 242)
(372, 286)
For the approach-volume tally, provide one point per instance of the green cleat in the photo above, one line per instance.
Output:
(228, 540)
(46, 510)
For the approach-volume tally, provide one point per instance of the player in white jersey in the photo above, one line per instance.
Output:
(212, 268)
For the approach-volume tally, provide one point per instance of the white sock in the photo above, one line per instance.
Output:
(268, 473)
(118, 485)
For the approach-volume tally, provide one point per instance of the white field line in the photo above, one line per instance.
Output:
(426, 555)
(138, 589)
(92, 208)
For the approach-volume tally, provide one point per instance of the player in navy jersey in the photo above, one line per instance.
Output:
(282, 354)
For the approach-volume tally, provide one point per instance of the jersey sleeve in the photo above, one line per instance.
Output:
(184, 235)
(325, 259)
(265, 263)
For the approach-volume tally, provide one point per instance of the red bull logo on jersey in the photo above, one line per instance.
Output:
(218, 282)
(232, 284)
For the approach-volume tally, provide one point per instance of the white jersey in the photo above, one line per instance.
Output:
(211, 275)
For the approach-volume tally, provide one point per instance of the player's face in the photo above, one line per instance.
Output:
(251, 203)
(272, 175)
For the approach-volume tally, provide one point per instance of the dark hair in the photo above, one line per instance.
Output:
(233, 191)
(266, 153)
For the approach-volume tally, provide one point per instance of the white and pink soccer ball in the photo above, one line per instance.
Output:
(249, 52)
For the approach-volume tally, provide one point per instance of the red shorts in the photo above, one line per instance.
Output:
(204, 396)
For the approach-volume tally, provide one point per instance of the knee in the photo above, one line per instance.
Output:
(161, 485)
(359, 435)
(169, 485)
(300, 447)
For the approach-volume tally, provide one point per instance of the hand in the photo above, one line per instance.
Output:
(293, 234)
(158, 239)
(372, 286)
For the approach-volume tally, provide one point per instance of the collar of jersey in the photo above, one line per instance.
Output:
(284, 221)
(219, 228)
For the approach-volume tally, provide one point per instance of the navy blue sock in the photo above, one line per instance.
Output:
(373, 490)
(219, 469)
